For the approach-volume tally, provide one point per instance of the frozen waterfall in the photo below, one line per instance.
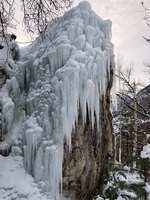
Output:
(64, 72)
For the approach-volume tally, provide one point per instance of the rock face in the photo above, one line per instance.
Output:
(57, 106)
(86, 166)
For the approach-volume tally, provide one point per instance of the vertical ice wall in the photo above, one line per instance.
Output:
(68, 70)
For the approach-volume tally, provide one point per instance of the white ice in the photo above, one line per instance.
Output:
(66, 71)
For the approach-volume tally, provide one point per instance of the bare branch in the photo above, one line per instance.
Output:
(146, 18)
(36, 13)
(148, 40)
(6, 15)
(129, 106)
(147, 66)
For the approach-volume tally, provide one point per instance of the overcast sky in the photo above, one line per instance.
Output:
(128, 30)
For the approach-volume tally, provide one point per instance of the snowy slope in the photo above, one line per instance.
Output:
(67, 67)
(15, 182)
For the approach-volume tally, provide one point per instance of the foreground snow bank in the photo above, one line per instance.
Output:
(15, 182)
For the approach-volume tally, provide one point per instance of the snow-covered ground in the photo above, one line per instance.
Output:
(15, 182)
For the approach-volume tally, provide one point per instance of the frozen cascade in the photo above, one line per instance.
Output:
(68, 71)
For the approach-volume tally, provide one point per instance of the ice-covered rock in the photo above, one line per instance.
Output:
(66, 77)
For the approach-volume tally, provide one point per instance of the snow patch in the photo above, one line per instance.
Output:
(145, 153)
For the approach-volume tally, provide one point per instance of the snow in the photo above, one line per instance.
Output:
(66, 71)
(99, 198)
(130, 178)
(145, 153)
(121, 183)
(147, 188)
(15, 182)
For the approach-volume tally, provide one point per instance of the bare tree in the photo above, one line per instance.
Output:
(127, 80)
(6, 15)
(119, 67)
(36, 13)
(129, 111)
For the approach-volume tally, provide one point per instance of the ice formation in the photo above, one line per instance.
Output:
(4, 53)
(65, 70)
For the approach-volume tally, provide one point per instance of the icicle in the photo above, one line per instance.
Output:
(33, 136)
(71, 33)
(79, 43)
(107, 29)
(63, 53)
(53, 61)
(15, 86)
(8, 111)
(89, 33)
(38, 166)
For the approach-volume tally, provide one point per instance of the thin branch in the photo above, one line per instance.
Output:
(36, 13)
(147, 40)
(127, 104)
